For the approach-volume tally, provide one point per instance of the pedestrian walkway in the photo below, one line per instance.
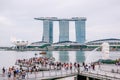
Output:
(100, 72)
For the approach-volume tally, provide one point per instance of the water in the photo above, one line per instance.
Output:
(8, 58)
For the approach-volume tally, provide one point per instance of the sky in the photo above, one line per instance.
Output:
(17, 18)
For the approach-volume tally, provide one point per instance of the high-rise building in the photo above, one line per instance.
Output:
(63, 30)
(80, 30)
(47, 31)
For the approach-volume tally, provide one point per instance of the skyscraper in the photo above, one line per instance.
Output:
(47, 31)
(80, 30)
(63, 30)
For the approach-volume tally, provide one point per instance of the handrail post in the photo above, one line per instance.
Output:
(35, 75)
(97, 74)
(114, 76)
(49, 73)
(42, 74)
(61, 72)
(27, 72)
(78, 71)
(66, 72)
(105, 75)
(56, 72)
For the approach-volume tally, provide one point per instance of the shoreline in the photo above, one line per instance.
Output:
(60, 49)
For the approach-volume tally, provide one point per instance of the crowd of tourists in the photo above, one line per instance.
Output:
(48, 63)
(36, 64)
(13, 73)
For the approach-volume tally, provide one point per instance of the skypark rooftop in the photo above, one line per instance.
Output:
(62, 19)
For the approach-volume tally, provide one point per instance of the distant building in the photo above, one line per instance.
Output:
(66, 43)
(38, 44)
(20, 44)
(80, 30)
(63, 30)
(111, 41)
(47, 31)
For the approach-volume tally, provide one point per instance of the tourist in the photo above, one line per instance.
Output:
(78, 67)
(112, 71)
(14, 74)
(89, 66)
(70, 66)
(117, 70)
(93, 66)
(99, 65)
(86, 67)
(83, 64)
(9, 74)
(3, 72)
(75, 66)
(23, 74)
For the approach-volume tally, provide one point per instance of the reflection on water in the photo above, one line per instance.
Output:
(56, 55)
(8, 58)
(72, 56)
(67, 56)
(80, 56)
(63, 56)
(49, 54)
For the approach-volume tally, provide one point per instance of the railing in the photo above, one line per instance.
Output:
(101, 75)
(51, 74)
(54, 74)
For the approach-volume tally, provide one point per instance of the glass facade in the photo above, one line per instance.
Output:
(80, 31)
(47, 31)
(63, 30)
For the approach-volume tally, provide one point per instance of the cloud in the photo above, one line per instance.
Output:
(5, 21)
(17, 18)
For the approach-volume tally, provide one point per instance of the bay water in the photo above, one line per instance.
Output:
(8, 58)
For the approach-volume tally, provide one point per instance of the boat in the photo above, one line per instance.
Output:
(43, 52)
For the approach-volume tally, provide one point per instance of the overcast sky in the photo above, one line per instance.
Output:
(17, 18)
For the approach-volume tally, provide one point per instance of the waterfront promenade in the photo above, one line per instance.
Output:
(43, 68)
(102, 72)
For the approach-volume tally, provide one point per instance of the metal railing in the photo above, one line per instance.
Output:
(54, 74)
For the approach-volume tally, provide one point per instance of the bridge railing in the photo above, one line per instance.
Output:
(67, 73)
(101, 75)
(51, 74)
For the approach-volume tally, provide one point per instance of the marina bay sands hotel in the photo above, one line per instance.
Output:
(63, 28)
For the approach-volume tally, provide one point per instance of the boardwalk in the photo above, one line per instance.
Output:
(104, 74)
